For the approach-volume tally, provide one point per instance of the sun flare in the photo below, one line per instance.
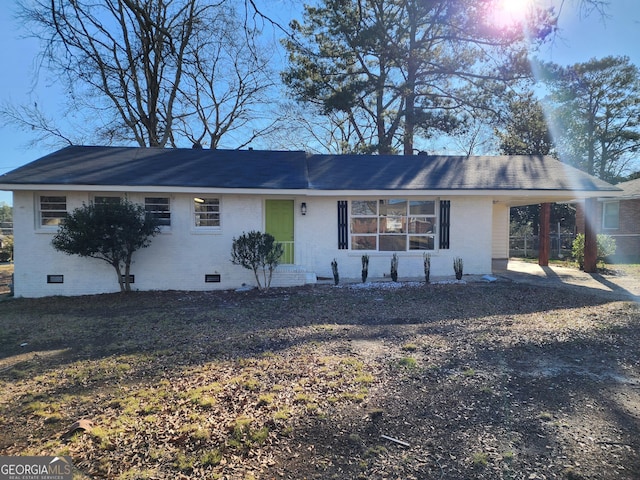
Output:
(505, 13)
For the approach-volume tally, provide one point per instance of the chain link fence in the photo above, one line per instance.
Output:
(527, 245)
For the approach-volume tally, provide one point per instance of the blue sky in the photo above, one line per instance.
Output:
(579, 40)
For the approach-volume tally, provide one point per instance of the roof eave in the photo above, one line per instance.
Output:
(497, 194)
(145, 189)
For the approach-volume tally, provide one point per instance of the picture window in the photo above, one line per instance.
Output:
(393, 225)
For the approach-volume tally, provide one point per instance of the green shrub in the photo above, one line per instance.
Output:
(394, 267)
(110, 232)
(257, 251)
(365, 267)
(334, 269)
(457, 267)
(427, 266)
(606, 246)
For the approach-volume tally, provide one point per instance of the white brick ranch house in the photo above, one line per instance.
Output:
(322, 207)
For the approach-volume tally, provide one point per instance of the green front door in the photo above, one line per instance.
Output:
(279, 223)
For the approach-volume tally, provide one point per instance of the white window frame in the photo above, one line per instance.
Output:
(58, 218)
(605, 215)
(106, 198)
(157, 213)
(195, 213)
(393, 225)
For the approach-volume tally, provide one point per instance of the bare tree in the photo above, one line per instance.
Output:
(227, 83)
(588, 7)
(306, 128)
(152, 72)
(30, 117)
(475, 138)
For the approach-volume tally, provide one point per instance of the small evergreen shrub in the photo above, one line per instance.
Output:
(257, 251)
(394, 267)
(111, 232)
(334, 269)
(427, 266)
(457, 267)
(365, 267)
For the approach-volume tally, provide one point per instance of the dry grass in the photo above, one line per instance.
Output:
(482, 380)
(632, 270)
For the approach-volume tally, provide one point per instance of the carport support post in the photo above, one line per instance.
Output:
(590, 238)
(544, 228)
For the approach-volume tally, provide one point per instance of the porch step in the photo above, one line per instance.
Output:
(292, 276)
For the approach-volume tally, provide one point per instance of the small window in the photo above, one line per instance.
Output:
(212, 278)
(611, 215)
(53, 209)
(206, 212)
(55, 278)
(106, 199)
(160, 209)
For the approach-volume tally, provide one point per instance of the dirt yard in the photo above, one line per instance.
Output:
(462, 381)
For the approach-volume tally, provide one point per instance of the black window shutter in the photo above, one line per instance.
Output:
(343, 225)
(445, 218)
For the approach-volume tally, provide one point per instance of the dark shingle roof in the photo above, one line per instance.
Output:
(254, 169)
(360, 172)
(130, 166)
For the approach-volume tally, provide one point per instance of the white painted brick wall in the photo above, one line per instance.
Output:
(471, 236)
(179, 258)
